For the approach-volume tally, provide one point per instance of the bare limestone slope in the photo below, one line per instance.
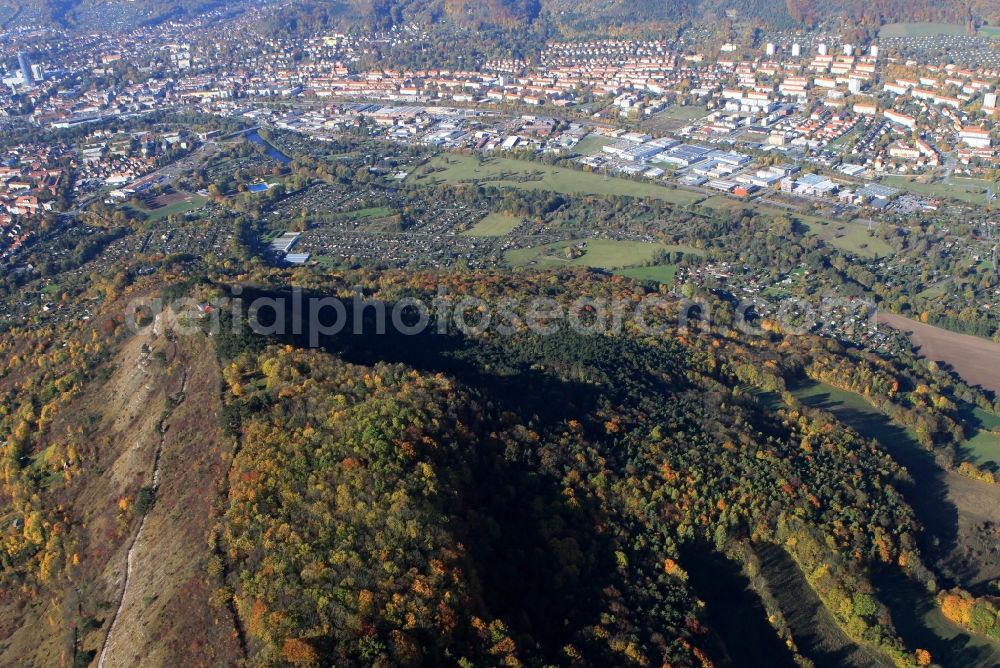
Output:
(144, 565)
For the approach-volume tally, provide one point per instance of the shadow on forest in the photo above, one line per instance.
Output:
(734, 613)
(909, 605)
(511, 379)
(815, 631)
(540, 563)
(928, 495)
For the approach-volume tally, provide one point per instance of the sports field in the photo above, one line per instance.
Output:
(173, 204)
(592, 143)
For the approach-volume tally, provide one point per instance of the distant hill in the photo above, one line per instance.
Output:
(568, 15)
(598, 13)
(877, 12)
(91, 14)
(650, 15)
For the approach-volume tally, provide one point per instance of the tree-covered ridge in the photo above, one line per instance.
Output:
(555, 520)
(387, 568)
(510, 16)
(532, 499)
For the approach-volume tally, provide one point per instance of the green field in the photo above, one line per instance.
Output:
(845, 235)
(370, 212)
(920, 623)
(724, 202)
(505, 172)
(592, 143)
(983, 446)
(510, 173)
(600, 254)
(975, 185)
(983, 427)
(970, 191)
(921, 29)
(177, 208)
(936, 290)
(681, 113)
(990, 31)
(849, 407)
(494, 225)
(660, 273)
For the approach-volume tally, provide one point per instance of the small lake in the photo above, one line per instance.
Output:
(254, 137)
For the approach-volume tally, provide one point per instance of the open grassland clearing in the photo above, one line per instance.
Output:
(596, 253)
(511, 173)
(982, 448)
(847, 235)
(494, 225)
(920, 622)
(921, 29)
(969, 191)
(659, 273)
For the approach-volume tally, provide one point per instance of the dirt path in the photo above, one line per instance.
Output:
(129, 559)
(976, 360)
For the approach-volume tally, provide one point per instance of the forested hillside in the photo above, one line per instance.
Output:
(650, 15)
(116, 14)
(645, 16)
(529, 504)
(454, 499)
